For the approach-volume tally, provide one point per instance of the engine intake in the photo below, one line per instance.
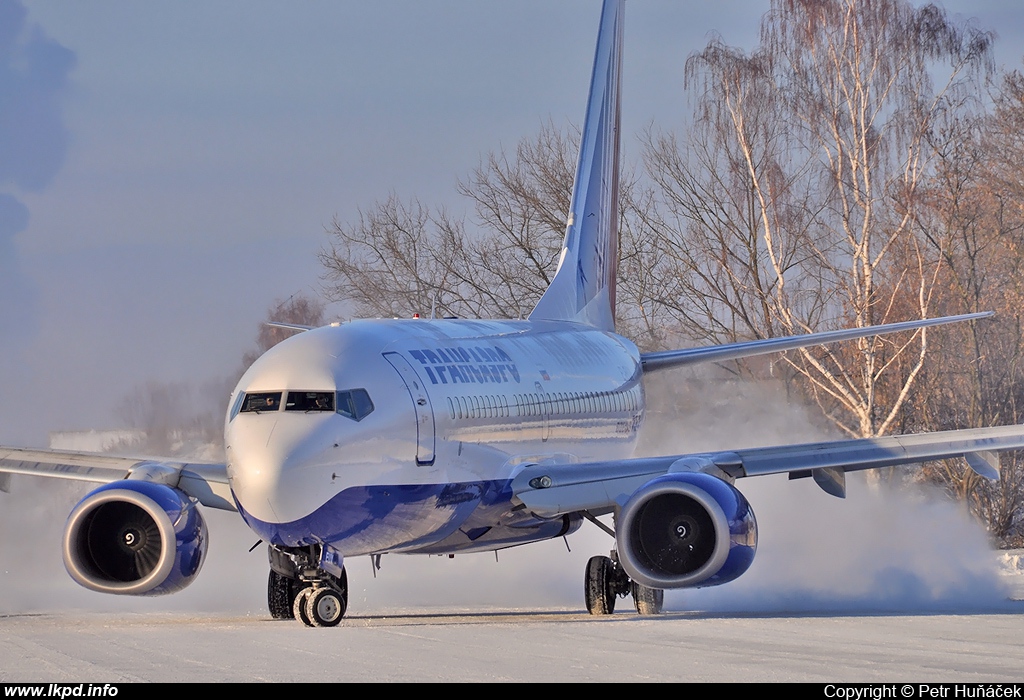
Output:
(687, 529)
(135, 538)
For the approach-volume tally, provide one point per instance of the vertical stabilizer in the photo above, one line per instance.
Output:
(583, 288)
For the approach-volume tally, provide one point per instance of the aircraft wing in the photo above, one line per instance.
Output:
(549, 490)
(734, 351)
(206, 482)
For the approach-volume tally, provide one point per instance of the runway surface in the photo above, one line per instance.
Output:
(914, 597)
(547, 645)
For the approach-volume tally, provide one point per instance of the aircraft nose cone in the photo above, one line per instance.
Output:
(273, 465)
(254, 469)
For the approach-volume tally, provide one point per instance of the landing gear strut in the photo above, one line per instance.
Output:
(606, 580)
(299, 589)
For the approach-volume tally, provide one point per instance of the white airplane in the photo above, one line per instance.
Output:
(446, 436)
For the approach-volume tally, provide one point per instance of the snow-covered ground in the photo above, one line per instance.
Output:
(420, 637)
(515, 646)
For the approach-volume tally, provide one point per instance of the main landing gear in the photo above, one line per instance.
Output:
(605, 581)
(299, 589)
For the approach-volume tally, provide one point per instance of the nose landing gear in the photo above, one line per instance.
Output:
(326, 606)
(299, 589)
(605, 580)
(322, 603)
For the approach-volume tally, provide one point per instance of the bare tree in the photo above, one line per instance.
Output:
(298, 309)
(403, 258)
(732, 220)
(973, 218)
(795, 194)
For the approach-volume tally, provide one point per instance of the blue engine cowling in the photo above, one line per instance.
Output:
(686, 530)
(135, 538)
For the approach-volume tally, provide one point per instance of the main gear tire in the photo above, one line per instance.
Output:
(599, 586)
(648, 601)
(281, 592)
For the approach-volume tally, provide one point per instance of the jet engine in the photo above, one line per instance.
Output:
(686, 529)
(135, 538)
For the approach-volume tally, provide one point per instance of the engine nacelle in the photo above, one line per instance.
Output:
(686, 529)
(135, 538)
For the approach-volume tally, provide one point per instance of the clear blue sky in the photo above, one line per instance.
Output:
(176, 161)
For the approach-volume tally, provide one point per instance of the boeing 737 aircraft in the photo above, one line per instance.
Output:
(445, 436)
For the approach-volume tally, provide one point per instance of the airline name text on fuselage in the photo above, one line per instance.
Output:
(467, 365)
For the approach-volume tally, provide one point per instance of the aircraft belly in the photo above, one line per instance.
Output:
(368, 519)
(490, 529)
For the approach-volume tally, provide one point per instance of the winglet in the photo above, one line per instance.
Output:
(583, 288)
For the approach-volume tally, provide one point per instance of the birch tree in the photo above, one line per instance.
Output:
(790, 206)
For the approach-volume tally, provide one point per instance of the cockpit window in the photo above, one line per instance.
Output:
(263, 401)
(354, 404)
(237, 405)
(310, 401)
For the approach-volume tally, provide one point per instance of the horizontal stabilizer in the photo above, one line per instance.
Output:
(297, 327)
(735, 351)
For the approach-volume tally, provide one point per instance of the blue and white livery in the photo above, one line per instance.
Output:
(445, 436)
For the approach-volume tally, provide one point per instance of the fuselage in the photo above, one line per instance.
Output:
(404, 435)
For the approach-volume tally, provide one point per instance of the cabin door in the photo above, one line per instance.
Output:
(421, 405)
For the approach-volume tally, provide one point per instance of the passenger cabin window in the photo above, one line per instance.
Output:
(262, 401)
(354, 404)
(308, 401)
